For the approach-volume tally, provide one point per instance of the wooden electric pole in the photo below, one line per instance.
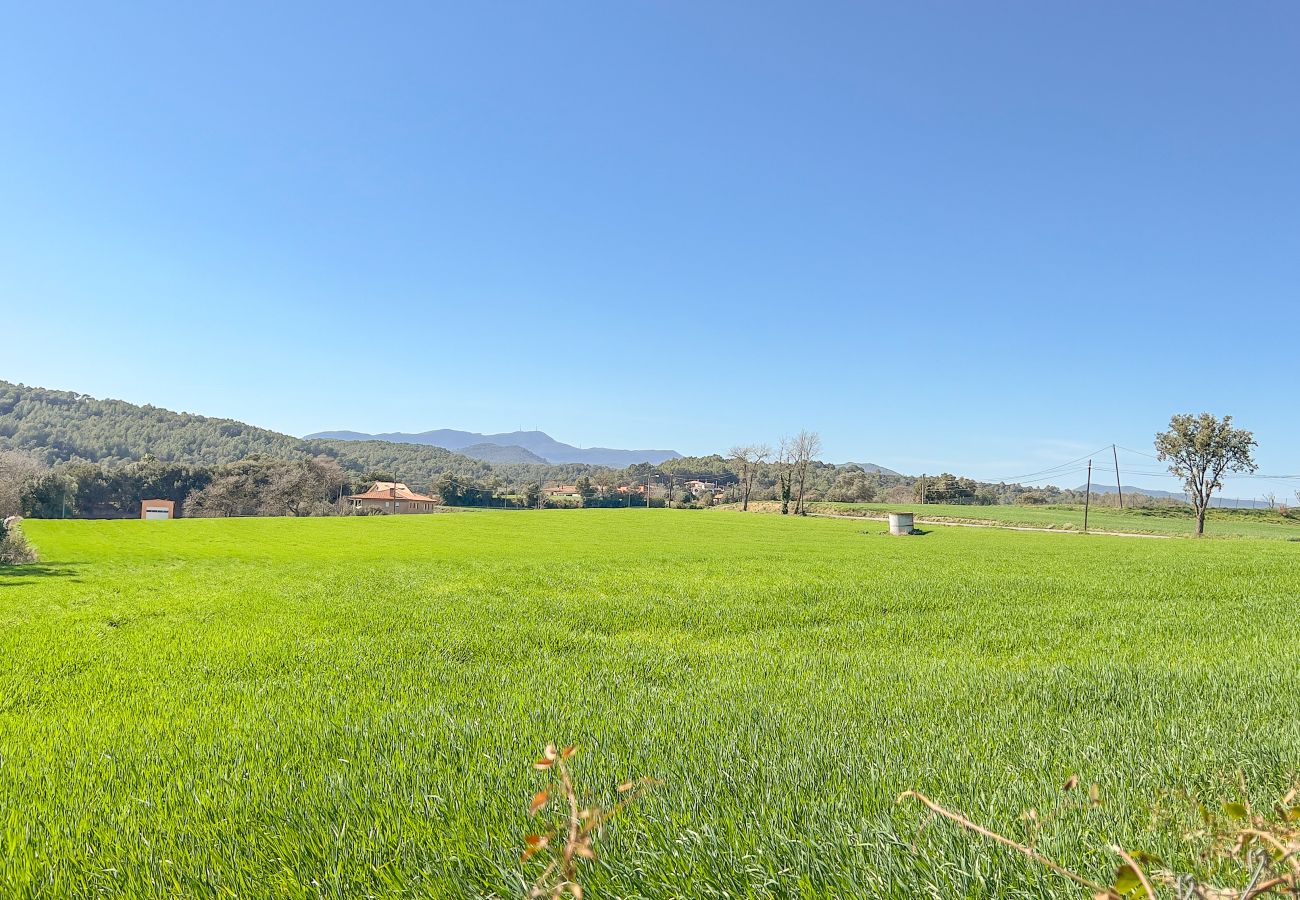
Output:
(1119, 487)
(1087, 497)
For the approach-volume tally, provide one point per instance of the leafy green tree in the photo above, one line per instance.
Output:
(947, 488)
(586, 490)
(852, 486)
(50, 496)
(1201, 450)
(262, 486)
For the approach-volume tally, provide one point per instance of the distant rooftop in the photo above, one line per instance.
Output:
(391, 490)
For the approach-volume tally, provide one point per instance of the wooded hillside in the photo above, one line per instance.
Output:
(62, 426)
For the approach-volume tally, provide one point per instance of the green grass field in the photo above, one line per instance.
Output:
(1229, 523)
(306, 708)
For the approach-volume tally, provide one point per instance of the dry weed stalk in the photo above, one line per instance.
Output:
(574, 829)
(1267, 845)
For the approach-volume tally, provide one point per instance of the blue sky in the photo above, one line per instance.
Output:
(978, 237)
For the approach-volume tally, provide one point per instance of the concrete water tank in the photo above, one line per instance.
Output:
(900, 523)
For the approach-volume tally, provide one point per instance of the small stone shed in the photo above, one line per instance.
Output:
(157, 509)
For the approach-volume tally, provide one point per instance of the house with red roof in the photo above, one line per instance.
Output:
(393, 498)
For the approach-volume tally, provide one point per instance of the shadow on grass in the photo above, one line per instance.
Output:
(29, 573)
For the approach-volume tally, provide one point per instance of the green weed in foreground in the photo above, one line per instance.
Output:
(350, 707)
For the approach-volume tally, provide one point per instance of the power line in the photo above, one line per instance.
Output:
(1050, 469)
(1234, 475)
(1051, 477)
(1073, 467)
(1138, 452)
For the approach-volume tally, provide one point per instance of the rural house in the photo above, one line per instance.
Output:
(562, 490)
(393, 497)
(700, 488)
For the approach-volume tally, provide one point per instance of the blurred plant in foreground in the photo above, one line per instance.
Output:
(573, 828)
(1266, 845)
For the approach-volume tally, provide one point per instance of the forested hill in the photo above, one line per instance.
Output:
(62, 426)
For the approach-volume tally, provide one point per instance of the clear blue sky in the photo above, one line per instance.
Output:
(980, 237)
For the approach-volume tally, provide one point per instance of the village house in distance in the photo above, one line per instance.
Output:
(392, 497)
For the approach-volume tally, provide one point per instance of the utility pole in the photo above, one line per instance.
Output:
(1087, 498)
(923, 489)
(1119, 487)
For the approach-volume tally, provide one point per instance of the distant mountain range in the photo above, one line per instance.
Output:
(1216, 502)
(512, 447)
(1129, 489)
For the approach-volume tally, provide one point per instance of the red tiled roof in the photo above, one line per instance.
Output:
(392, 490)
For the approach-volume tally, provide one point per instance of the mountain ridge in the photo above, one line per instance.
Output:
(1217, 501)
(537, 443)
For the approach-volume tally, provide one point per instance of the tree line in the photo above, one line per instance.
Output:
(59, 429)
(63, 453)
(256, 486)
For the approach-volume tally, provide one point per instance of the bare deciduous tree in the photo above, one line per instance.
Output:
(18, 472)
(762, 456)
(1201, 450)
(743, 456)
(333, 477)
(807, 444)
(784, 464)
(748, 459)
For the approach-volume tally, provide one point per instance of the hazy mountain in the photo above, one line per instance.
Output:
(1217, 502)
(1129, 489)
(536, 442)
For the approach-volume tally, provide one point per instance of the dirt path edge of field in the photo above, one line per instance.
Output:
(960, 523)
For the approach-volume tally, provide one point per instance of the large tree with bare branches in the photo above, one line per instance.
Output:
(748, 458)
(1201, 450)
(742, 456)
(807, 444)
(18, 473)
(784, 464)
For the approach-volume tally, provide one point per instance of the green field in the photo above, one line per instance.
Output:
(349, 707)
(1163, 520)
